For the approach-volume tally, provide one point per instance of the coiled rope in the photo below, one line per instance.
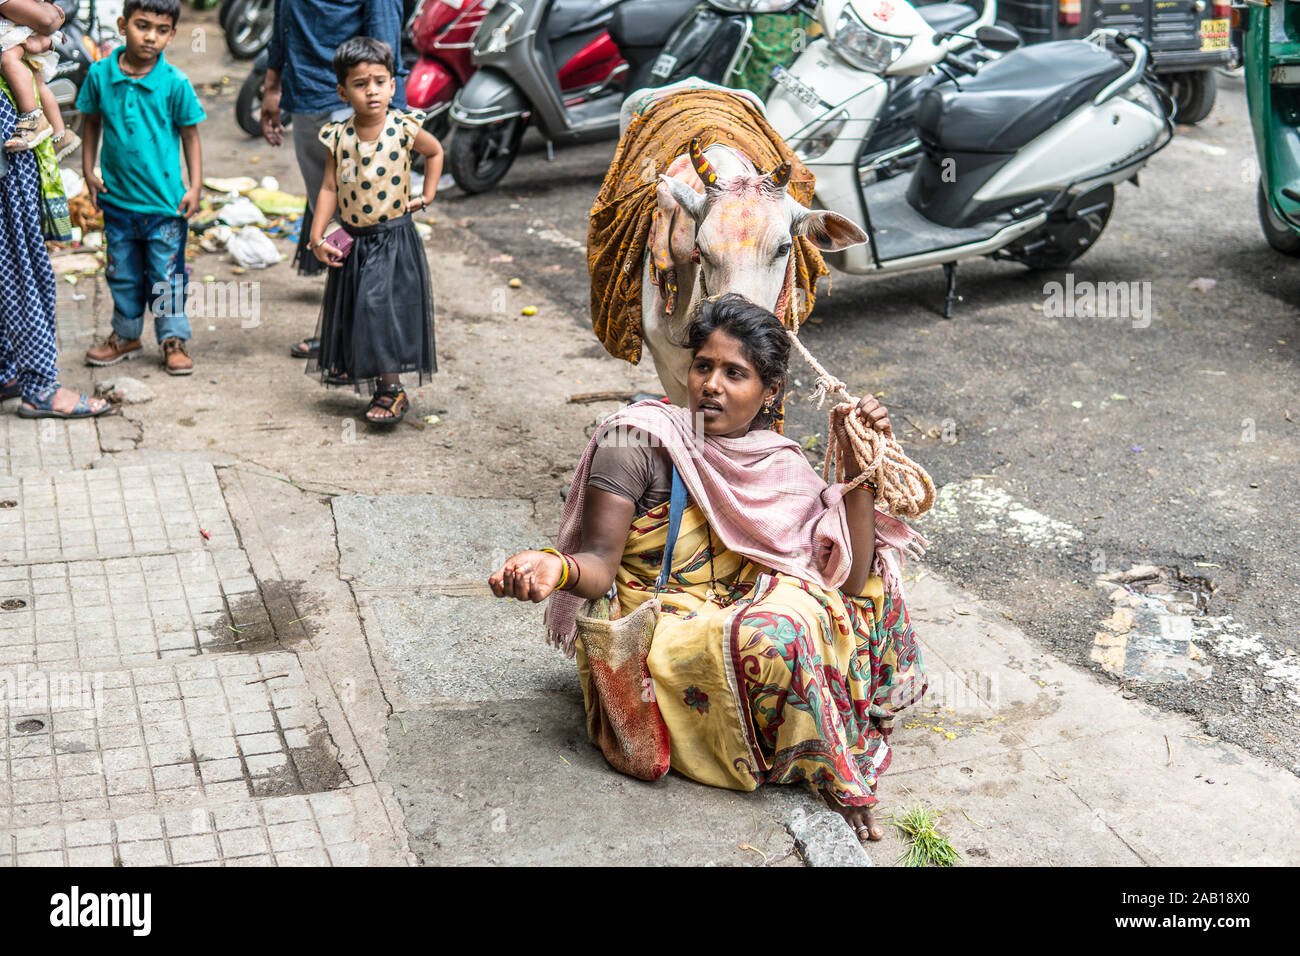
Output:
(903, 488)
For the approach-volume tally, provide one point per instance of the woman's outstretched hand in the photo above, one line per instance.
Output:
(528, 576)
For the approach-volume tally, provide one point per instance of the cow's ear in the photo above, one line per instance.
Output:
(682, 194)
(826, 230)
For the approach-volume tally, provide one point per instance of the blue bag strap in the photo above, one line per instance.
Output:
(676, 505)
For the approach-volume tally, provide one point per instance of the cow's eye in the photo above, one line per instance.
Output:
(783, 250)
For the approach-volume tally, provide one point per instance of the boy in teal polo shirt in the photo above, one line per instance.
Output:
(146, 109)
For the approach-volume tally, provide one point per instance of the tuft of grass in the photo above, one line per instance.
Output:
(925, 847)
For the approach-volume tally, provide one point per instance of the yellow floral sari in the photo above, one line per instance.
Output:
(762, 677)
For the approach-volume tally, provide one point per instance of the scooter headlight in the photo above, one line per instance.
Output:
(862, 46)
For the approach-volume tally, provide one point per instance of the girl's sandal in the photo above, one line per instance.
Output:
(391, 398)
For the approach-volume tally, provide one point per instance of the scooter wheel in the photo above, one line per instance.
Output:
(248, 105)
(481, 155)
(1279, 234)
(1067, 236)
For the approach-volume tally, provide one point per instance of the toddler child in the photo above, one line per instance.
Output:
(377, 316)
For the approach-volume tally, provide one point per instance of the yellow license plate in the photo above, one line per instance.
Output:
(1214, 34)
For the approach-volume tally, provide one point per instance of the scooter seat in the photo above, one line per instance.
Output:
(947, 17)
(1014, 98)
(576, 16)
(648, 24)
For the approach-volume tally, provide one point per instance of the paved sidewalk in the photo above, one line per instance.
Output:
(151, 711)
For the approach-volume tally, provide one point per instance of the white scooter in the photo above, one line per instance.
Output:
(1020, 156)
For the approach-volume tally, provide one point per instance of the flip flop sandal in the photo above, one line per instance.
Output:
(308, 348)
(43, 407)
(339, 378)
(392, 399)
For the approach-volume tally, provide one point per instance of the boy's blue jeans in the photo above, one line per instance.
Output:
(146, 272)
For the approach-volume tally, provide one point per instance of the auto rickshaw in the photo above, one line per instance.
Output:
(1271, 62)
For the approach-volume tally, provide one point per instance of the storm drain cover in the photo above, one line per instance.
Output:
(13, 604)
(29, 726)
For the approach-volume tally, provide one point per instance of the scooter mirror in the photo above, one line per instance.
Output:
(998, 39)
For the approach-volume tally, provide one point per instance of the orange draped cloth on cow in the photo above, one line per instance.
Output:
(621, 217)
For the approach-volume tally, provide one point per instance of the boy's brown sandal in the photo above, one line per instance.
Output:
(112, 350)
(176, 357)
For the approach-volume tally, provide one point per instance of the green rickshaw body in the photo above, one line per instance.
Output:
(1271, 63)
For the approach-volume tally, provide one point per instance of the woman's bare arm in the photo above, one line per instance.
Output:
(860, 503)
(533, 575)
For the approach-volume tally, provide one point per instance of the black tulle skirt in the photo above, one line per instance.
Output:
(377, 316)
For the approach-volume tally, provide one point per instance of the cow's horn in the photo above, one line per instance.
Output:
(780, 176)
(708, 175)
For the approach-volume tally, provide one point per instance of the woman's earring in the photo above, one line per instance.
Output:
(767, 405)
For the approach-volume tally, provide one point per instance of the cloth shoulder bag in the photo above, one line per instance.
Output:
(623, 719)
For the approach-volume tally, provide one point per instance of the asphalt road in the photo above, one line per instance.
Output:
(1101, 445)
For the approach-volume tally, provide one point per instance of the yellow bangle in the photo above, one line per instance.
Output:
(563, 577)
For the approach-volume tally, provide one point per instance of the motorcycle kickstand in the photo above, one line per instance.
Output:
(550, 151)
(952, 298)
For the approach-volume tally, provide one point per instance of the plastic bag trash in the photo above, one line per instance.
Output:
(236, 184)
(216, 238)
(276, 203)
(253, 249)
(1202, 284)
(73, 184)
(270, 182)
(241, 212)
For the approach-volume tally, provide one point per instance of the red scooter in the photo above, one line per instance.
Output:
(441, 31)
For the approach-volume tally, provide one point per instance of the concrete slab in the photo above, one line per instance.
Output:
(466, 648)
(517, 782)
(1188, 801)
(405, 541)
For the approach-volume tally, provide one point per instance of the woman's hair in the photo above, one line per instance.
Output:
(360, 50)
(762, 337)
(163, 8)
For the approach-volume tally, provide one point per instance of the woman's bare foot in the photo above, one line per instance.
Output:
(861, 819)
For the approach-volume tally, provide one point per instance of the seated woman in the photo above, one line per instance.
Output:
(783, 650)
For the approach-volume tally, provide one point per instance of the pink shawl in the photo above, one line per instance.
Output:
(758, 493)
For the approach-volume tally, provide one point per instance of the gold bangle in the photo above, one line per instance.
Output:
(563, 577)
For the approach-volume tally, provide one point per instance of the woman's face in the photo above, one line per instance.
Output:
(725, 389)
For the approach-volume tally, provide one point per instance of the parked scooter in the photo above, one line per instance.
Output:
(84, 41)
(1019, 157)
(555, 64)
(441, 32)
(720, 41)
(1269, 56)
(247, 25)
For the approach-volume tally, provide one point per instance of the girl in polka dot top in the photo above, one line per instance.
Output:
(377, 317)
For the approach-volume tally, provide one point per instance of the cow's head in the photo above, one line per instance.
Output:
(745, 226)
